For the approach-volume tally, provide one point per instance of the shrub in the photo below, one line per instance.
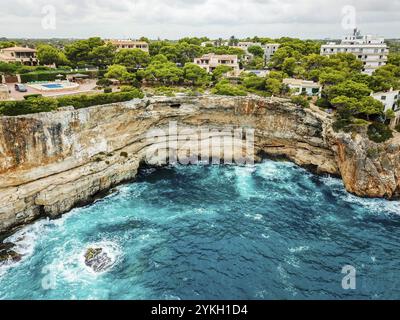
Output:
(41, 104)
(107, 90)
(224, 88)
(104, 82)
(379, 132)
(342, 125)
(127, 88)
(33, 105)
(300, 101)
(30, 96)
(397, 128)
(165, 91)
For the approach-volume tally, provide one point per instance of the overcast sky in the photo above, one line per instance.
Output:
(172, 19)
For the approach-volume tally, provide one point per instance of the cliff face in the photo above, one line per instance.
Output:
(368, 169)
(51, 162)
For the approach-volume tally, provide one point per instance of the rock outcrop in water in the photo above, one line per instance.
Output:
(52, 162)
(97, 260)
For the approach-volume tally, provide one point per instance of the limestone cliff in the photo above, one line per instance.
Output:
(51, 162)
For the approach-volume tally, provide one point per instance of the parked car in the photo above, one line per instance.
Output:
(20, 88)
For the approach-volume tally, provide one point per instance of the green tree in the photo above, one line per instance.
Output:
(394, 59)
(273, 86)
(220, 71)
(289, 66)
(102, 56)
(257, 51)
(163, 71)
(132, 58)
(79, 52)
(226, 89)
(7, 44)
(233, 41)
(195, 75)
(49, 55)
(120, 73)
(348, 89)
(332, 77)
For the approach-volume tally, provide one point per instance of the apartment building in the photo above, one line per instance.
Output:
(130, 44)
(210, 61)
(270, 49)
(24, 55)
(371, 50)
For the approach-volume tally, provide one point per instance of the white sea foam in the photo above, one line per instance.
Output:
(256, 217)
(299, 249)
(244, 181)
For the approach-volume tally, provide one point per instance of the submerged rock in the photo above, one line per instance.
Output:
(97, 259)
(7, 254)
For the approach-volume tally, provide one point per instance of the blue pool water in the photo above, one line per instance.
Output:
(272, 231)
(53, 86)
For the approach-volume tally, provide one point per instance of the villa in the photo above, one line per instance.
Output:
(245, 45)
(130, 44)
(210, 61)
(299, 86)
(391, 101)
(372, 51)
(24, 55)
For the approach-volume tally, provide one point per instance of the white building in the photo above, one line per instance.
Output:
(298, 86)
(215, 43)
(211, 60)
(245, 45)
(391, 101)
(372, 51)
(270, 49)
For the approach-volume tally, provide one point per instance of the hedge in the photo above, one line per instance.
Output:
(36, 105)
(52, 75)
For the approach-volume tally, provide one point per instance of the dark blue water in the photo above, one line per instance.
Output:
(272, 231)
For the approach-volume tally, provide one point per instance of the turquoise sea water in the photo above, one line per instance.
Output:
(272, 231)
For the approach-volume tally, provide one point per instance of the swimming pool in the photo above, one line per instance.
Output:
(54, 86)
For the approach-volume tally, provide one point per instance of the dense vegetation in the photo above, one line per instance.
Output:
(169, 65)
(41, 104)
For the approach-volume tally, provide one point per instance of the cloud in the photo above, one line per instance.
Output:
(176, 18)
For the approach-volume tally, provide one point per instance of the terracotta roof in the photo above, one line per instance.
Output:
(19, 49)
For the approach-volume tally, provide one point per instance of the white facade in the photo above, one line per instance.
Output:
(210, 61)
(245, 45)
(391, 101)
(270, 49)
(372, 51)
(310, 88)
